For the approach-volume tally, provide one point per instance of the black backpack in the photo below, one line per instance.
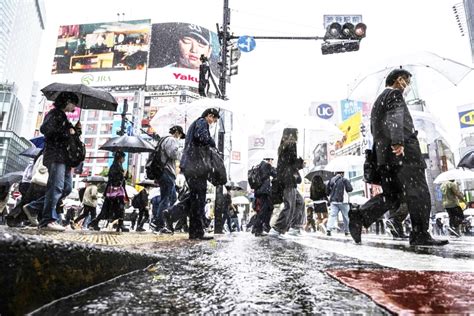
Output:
(154, 166)
(136, 201)
(76, 151)
(254, 177)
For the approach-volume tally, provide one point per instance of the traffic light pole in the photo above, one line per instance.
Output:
(219, 205)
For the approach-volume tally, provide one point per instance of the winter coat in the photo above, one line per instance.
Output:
(391, 124)
(289, 165)
(197, 136)
(142, 197)
(116, 176)
(336, 187)
(266, 171)
(90, 196)
(55, 129)
(451, 194)
(318, 193)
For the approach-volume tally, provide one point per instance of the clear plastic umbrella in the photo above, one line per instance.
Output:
(345, 163)
(431, 73)
(454, 174)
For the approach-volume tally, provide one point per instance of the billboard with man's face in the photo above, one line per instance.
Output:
(108, 46)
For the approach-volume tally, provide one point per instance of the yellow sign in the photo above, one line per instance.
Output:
(351, 130)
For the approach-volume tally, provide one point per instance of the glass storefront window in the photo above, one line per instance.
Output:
(106, 128)
(92, 115)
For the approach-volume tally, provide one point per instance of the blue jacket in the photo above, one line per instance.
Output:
(336, 187)
(197, 136)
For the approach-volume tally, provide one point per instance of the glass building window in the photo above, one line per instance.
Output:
(91, 129)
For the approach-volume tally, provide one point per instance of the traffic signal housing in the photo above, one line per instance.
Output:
(343, 38)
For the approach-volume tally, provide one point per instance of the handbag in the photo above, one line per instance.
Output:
(371, 175)
(76, 151)
(199, 164)
(115, 192)
(217, 174)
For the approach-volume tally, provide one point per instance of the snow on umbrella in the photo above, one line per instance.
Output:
(467, 161)
(31, 152)
(431, 73)
(10, 178)
(89, 98)
(130, 144)
(454, 174)
(345, 163)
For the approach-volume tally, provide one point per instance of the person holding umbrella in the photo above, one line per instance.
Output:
(57, 129)
(115, 194)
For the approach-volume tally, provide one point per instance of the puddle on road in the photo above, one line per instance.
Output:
(236, 274)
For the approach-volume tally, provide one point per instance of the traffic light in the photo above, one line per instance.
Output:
(343, 38)
(204, 73)
(233, 56)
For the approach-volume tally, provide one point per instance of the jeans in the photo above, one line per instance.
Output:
(168, 196)
(335, 208)
(59, 185)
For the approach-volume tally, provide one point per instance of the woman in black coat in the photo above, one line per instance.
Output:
(289, 164)
(320, 200)
(115, 194)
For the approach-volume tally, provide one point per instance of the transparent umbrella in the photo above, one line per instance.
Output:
(431, 73)
(454, 174)
(345, 163)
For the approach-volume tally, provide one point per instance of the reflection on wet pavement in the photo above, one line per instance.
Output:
(235, 274)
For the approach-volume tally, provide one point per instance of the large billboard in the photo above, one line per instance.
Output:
(176, 50)
(108, 46)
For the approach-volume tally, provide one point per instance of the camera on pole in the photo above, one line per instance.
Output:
(343, 38)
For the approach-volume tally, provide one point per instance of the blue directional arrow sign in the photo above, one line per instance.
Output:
(246, 43)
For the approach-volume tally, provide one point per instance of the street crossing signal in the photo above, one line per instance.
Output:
(233, 56)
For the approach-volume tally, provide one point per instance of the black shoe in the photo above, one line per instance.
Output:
(328, 233)
(140, 229)
(347, 234)
(355, 226)
(425, 239)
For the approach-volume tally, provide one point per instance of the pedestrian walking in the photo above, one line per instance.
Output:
(319, 197)
(196, 148)
(169, 155)
(451, 198)
(337, 189)
(57, 130)
(89, 202)
(310, 222)
(291, 217)
(399, 163)
(263, 198)
(140, 202)
(133, 219)
(115, 195)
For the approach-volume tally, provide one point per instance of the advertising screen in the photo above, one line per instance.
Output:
(108, 46)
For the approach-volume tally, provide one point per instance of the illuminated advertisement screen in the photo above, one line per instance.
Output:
(180, 45)
(108, 46)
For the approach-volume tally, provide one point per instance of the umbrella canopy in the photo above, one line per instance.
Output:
(38, 141)
(325, 174)
(95, 179)
(89, 98)
(31, 152)
(130, 144)
(131, 191)
(467, 161)
(345, 163)
(240, 200)
(358, 199)
(10, 178)
(147, 183)
(454, 174)
(233, 186)
(431, 73)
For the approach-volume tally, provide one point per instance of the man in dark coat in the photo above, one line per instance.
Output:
(263, 197)
(198, 141)
(400, 164)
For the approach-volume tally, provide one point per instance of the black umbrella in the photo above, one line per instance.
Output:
(326, 175)
(232, 186)
(31, 152)
(10, 178)
(95, 179)
(130, 144)
(89, 98)
(467, 161)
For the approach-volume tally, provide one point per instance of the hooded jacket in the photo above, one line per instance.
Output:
(391, 124)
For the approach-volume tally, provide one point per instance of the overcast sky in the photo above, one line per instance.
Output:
(286, 76)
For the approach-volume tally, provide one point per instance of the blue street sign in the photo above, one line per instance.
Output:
(246, 43)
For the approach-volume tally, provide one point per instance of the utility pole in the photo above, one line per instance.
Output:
(219, 208)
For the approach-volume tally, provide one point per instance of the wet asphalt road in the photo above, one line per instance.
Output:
(234, 274)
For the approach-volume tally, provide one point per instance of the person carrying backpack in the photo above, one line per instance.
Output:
(263, 197)
(169, 154)
(337, 189)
